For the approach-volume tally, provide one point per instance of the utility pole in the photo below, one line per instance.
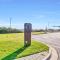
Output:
(48, 24)
(46, 29)
(10, 23)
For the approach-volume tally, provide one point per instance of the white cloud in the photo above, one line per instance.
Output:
(40, 16)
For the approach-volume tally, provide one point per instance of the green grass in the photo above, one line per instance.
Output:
(38, 33)
(12, 46)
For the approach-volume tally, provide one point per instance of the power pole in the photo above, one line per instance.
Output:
(48, 25)
(10, 23)
(46, 29)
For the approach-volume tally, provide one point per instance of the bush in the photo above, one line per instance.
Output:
(9, 30)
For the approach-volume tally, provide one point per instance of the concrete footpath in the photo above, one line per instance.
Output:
(38, 56)
(52, 54)
(49, 55)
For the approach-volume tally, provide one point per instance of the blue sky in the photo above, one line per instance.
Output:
(38, 12)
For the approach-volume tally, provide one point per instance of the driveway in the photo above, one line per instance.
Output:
(51, 38)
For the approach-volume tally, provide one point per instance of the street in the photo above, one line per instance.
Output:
(52, 39)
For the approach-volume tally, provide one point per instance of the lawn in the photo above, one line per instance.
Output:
(12, 46)
(38, 33)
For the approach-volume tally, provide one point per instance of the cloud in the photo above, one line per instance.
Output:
(40, 16)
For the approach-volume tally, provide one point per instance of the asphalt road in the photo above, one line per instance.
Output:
(51, 38)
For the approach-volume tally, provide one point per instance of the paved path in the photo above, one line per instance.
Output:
(50, 38)
(38, 56)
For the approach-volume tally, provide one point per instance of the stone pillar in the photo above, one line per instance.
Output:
(27, 34)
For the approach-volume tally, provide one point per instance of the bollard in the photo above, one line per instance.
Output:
(27, 34)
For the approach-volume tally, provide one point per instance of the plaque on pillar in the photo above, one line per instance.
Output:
(27, 34)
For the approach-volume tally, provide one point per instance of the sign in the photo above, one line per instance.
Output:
(27, 34)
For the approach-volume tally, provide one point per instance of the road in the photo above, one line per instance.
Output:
(51, 38)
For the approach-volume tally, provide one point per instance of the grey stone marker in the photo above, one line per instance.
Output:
(27, 34)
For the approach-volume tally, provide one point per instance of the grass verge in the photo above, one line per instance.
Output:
(12, 46)
(38, 33)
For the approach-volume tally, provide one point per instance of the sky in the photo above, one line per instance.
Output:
(40, 13)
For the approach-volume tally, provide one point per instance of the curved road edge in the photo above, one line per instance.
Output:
(52, 55)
